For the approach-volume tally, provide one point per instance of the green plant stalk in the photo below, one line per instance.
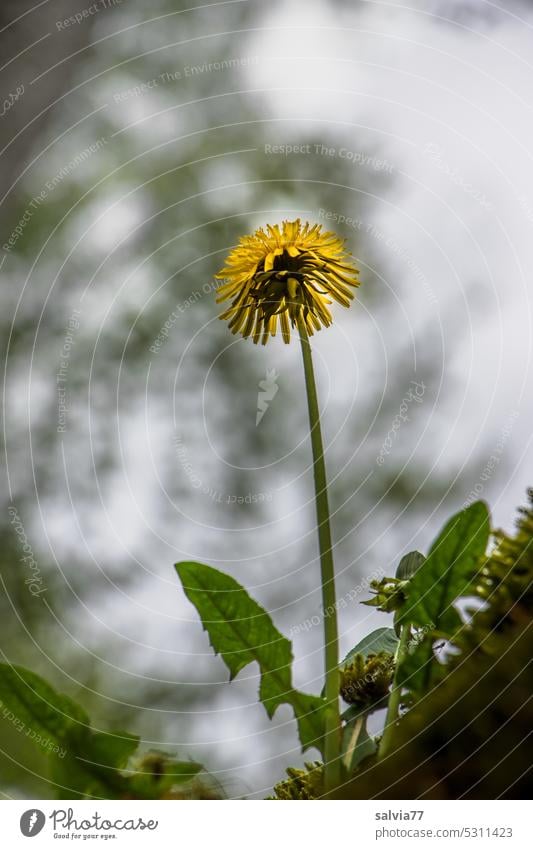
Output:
(332, 742)
(394, 698)
(354, 736)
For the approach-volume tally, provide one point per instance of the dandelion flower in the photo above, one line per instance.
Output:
(285, 271)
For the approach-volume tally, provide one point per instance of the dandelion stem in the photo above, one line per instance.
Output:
(331, 639)
(394, 698)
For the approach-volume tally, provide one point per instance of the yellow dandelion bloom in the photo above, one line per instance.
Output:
(287, 271)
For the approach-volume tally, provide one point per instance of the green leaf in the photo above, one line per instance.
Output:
(86, 763)
(241, 631)
(78, 776)
(420, 671)
(447, 573)
(382, 639)
(409, 564)
(309, 713)
(110, 749)
(34, 704)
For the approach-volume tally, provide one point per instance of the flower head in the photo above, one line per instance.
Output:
(287, 271)
(365, 681)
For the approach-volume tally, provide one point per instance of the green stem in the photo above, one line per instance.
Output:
(354, 733)
(396, 691)
(331, 639)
